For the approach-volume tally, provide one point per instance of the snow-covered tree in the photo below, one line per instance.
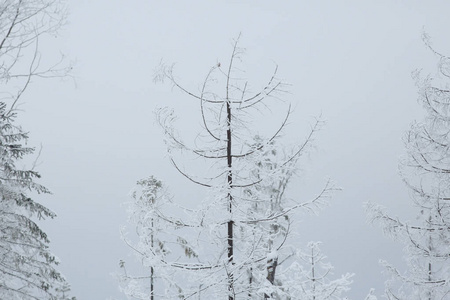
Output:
(27, 267)
(308, 278)
(147, 214)
(233, 243)
(268, 196)
(23, 23)
(426, 173)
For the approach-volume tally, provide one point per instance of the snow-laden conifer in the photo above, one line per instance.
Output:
(426, 173)
(27, 267)
(310, 277)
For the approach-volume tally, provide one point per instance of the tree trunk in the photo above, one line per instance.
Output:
(271, 268)
(230, 200)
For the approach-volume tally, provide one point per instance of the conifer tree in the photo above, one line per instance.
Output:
(27, 266)
(426, 173)
(309, 277)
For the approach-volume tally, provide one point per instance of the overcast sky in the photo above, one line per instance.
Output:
(350, 61)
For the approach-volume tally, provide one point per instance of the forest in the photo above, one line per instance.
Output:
(270, 161)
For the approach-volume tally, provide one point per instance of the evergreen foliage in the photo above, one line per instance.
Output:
(27, 267)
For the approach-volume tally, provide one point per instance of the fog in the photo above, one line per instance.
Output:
(348, 61)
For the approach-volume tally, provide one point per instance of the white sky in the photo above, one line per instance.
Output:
(348, 60)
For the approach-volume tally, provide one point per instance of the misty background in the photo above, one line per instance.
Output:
(349, 61)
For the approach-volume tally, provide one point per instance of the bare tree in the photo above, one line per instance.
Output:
(425, 172)
(27, 267)
(234, 242)
(22, 24)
